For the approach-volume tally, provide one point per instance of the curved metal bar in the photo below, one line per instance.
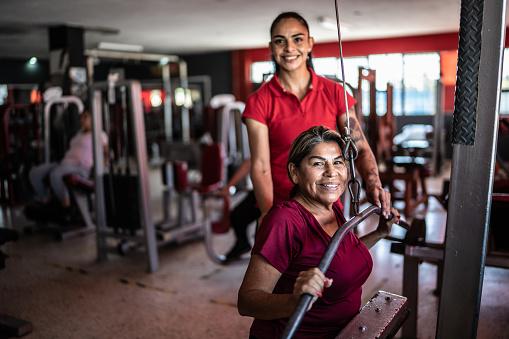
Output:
(219, 259)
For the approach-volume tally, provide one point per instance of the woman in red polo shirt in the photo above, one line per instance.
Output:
(292, 239)
(291, 102)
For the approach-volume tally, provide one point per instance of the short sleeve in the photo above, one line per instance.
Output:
(278, 239)
(256, 109)
(341, 96)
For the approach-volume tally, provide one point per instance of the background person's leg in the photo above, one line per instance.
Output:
(241, 217)
(57, 181)
(37, 175)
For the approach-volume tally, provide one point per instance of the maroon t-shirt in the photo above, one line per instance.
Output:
(292, 240)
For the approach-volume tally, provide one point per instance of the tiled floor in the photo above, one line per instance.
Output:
(65, 293)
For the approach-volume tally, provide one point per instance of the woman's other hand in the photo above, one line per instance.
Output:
(378, 196)
(385, 225)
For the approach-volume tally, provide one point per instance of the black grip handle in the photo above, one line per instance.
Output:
(298, 315)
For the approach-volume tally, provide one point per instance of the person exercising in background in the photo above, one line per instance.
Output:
(291, 102)
(79, 159)
(242, 215)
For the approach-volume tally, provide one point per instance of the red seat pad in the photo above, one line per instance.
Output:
(77, 181)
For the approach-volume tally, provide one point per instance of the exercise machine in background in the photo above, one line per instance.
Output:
(172, 102)
(122, 191)
(60, 121)
(20, 140)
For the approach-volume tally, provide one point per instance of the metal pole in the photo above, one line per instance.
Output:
(100, 208)
(168, 113)
(186, 119)
(482, 36)
(438, 126)
(143, 180)
(411, 291)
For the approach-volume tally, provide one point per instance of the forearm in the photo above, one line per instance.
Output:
(260, 164)
(266, 306)
(367, 166)
(366, 162)
(262, 184)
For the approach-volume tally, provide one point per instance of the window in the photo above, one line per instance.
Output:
(328, 67)
(421, 72)
(504, 97)
(3, 94)
(413, 76)
(389, 69)
(260, 70)
(351, 66)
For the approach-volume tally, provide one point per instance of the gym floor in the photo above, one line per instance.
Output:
(66, 293)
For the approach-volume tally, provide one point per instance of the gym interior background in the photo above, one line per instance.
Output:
(140, 252)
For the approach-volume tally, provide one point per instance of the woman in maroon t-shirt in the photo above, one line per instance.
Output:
(292, 239)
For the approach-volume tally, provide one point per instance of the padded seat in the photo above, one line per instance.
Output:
(78, 182)
(212, 179)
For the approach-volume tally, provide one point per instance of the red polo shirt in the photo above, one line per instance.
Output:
(286, 117)
(292, 240)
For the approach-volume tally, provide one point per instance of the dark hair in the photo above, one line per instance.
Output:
(299, 18)
(303, 145)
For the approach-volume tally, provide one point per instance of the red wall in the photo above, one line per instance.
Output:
(446, 43)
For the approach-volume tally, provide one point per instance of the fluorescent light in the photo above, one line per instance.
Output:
(32, 61)
(113, 46)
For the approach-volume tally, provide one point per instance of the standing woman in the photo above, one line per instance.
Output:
(294, 100)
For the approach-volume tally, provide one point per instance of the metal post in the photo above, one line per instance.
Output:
(168, 97)
(411, 291)
(482, 36)
(141, 160)
(438, 127)
(100, 208)
(186, 119)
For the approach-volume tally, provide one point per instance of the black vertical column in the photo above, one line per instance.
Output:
(67, 59)
(480, 55)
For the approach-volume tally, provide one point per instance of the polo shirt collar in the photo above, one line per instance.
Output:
(278, 90)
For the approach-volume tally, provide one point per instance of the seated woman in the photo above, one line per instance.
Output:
(78, 159)
(293, 238)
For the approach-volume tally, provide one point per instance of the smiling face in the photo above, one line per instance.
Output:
(322, 174)
(290, 44)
